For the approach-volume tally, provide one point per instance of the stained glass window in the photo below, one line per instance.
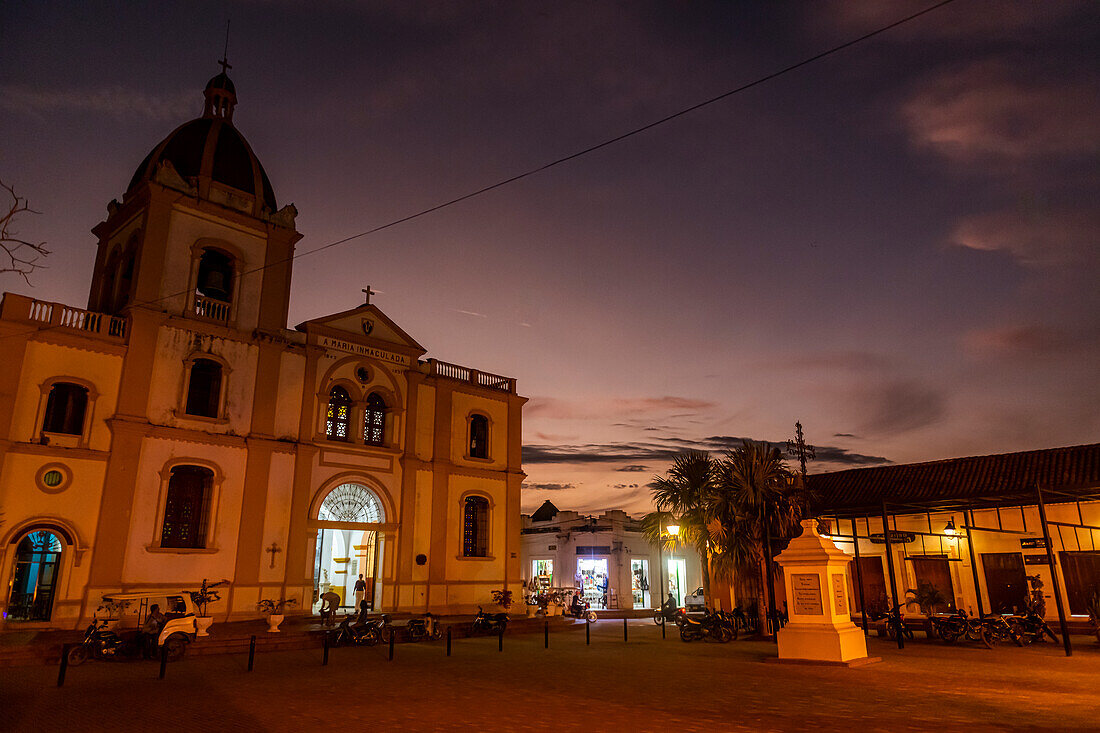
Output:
(374, 420)
(338, 415)
(475, 527)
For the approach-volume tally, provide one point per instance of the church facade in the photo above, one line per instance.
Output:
(177, 430)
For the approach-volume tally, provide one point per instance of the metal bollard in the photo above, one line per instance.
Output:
(251, 652)
(324, 658)
(64, 665)
(163, 660)
(546, 635)
(663, 624)
(500, 640)
(448, 641)
(624, 629)
(392, 635)
(587, 632)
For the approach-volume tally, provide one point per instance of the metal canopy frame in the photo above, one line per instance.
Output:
(967, 506)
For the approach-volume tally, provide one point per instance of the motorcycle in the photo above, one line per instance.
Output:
(710, 628)
(1030, 626)
(662, 616)
(728, 621)
(489, 623)
(104, 644)
(583, 613)
(895, 624)
(952, 627)
(425, 627)
(367, 633)
(998, 629)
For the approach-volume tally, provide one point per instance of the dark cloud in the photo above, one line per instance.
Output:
(630, 411)
(660, 452)
(899, 406)
(844, 435)
(625, 486)
(547, 487)
(632, 468)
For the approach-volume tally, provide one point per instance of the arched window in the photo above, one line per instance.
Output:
(475, 527)
(479, 436)
(204, 388)
(374, 420)
(185, 507)
(339, 414)
(125, 282)
(65, 409)
(215, 275)
(36, 564)
(351, 503)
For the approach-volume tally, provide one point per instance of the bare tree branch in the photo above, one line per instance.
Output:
(22, 256)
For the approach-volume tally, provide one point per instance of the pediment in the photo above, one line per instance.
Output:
(364, 325)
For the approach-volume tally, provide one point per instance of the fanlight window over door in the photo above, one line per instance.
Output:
(351, 503)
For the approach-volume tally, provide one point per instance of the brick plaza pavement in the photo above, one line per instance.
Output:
(646, 684)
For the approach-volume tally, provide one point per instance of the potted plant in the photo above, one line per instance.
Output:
(202, 598)
(503, 598)
(274, 610)
(113, 610)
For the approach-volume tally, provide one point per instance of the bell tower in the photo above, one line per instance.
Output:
(198, 233)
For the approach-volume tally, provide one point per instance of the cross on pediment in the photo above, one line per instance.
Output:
(368, 292)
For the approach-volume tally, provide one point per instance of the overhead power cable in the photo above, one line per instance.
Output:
(580, 153)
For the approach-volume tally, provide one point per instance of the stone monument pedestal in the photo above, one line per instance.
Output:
(820, 631)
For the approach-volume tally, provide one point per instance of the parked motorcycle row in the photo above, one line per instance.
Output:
(1021, 629)
(426, 627)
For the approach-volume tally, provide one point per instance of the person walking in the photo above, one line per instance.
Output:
(360, 591)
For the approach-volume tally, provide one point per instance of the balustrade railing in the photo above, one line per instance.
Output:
(63, 316)
(215, 310)
(472, 376)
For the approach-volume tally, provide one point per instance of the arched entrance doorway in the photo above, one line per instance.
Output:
(353, 549)
(34, 578)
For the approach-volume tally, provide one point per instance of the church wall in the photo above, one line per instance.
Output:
(425, 423)
(288, 397)
(188, 228)
(75, 508)
(44, 361)
(167, 397)
(466, 404)
(470, 580)
(144, 560)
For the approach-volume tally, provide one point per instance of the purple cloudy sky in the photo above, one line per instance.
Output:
(896, 245)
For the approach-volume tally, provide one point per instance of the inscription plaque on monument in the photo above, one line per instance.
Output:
(840, 599)
(806, 589)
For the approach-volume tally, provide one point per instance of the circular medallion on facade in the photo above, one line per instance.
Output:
(362, 374)
(53, 478)
(421, 559)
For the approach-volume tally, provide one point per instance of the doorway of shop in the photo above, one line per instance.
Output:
(1006, 581)
(593, 572)
(874, 586)
(639, 583)
(936, 571)
(677, 580)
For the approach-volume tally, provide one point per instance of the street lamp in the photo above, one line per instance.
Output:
(950, 528)
(673, 529)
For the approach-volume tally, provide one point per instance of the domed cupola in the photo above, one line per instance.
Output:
(207, 157)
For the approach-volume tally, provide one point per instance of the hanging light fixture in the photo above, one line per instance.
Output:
(950, 530)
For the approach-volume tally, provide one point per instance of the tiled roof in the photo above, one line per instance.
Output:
(1008, 479)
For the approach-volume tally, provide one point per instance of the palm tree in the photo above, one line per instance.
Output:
(682, 496)
(754, 502)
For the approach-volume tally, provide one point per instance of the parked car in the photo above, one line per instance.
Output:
(695, 601)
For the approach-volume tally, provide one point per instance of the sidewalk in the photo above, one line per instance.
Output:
(25, 648)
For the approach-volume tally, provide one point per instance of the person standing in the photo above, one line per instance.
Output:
(360, 591)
